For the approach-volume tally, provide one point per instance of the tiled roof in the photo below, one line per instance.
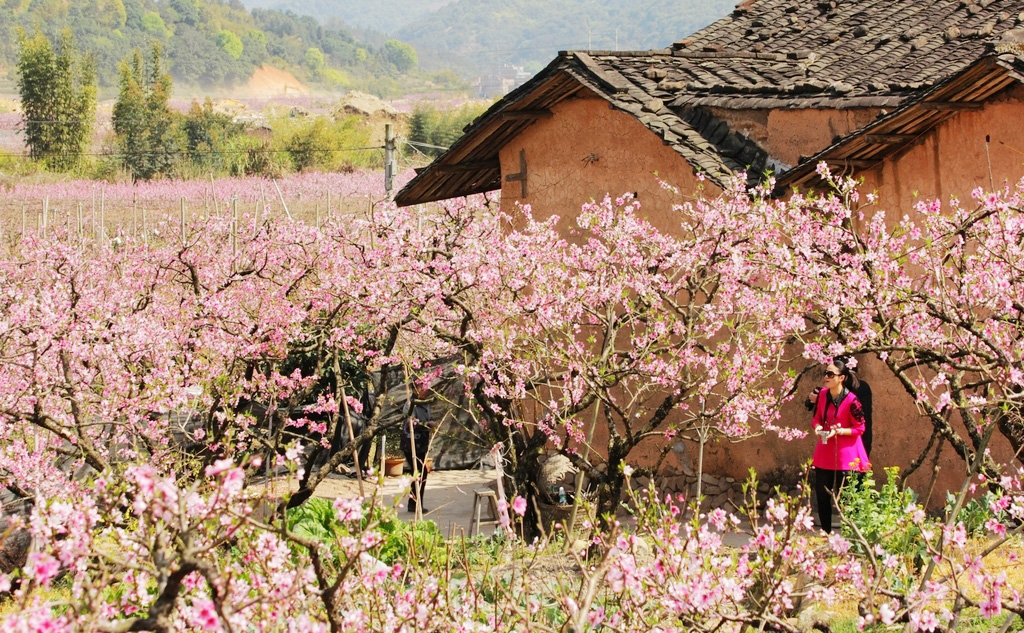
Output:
(767, 54)
(864, 47)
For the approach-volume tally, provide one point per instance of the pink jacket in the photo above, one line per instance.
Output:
(841, 452)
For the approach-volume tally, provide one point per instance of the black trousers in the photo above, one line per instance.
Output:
(419, 484)
(827, 485)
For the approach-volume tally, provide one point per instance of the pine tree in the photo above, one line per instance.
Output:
(58, 98)
(143, 122)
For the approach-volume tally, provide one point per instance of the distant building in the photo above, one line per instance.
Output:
(507, 79)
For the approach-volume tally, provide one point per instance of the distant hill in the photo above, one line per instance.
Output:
(481, 35)
(384, 16)
(207, 43)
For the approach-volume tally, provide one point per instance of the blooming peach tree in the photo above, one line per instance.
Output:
(147, 388)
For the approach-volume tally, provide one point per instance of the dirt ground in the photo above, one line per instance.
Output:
(268, 81)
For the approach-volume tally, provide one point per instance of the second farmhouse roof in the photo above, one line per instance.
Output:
(919, 60)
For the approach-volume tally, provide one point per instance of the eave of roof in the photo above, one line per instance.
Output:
(868, 147)
(471, 164)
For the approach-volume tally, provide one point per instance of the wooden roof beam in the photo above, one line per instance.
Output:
(888, 139)
(525, 115)
(856, 163)
(476, 165)
(951, 105)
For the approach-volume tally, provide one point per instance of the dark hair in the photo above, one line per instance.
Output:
(842, 364)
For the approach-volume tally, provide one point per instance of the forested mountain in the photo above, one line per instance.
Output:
(531, 32)
(481, 35)
(384, 16)
(206, 42)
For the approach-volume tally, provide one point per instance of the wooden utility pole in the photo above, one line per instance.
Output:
(390, 162)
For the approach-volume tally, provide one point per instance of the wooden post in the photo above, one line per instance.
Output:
(184, 227)
(281, 196)
(578, 492)
(263, 197)
(216, 207)
(23, 223)
(234, 226)
(103, 220)
(352, 443)
(46, 212)
(318, 215)
(390, 164)
(145, 230)
(79, 221)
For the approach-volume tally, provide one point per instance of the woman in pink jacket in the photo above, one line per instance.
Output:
(839, 424)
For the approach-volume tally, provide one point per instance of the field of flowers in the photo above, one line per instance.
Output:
(148, 383)
(91, 208)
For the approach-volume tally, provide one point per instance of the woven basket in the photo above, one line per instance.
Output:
(552, 513)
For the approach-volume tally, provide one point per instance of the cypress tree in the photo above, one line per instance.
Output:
(143, 122)
(58, 99)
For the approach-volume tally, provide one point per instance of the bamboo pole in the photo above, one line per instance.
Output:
(281, 196)
(213, 194)
(352, 443)
(579, 476)
(412, 445)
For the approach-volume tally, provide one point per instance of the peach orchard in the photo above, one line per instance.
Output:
(145, 386)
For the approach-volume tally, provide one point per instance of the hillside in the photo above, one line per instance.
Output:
(384, 16)
(531, 32)
(480, 36)
(207, 43)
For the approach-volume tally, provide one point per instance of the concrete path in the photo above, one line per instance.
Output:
(449, 498)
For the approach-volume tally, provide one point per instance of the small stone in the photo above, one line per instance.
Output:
(14, 546)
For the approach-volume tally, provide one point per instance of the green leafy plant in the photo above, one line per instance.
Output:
(974, 514)
(405, 541)
(315, 519)
(401, 541)
(884, 517)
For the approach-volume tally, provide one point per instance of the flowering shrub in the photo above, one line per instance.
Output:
(145, 383)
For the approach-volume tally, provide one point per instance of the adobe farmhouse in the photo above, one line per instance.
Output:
(920, 98)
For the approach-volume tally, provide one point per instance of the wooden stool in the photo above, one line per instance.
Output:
(491, 498)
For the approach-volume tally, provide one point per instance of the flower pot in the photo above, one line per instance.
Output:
(393, 466)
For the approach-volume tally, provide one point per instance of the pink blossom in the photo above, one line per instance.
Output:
(42, 567)
(349, 509)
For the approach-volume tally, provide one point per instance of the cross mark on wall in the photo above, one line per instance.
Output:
(521, 176)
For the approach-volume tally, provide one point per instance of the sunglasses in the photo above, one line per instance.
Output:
(830, 374)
